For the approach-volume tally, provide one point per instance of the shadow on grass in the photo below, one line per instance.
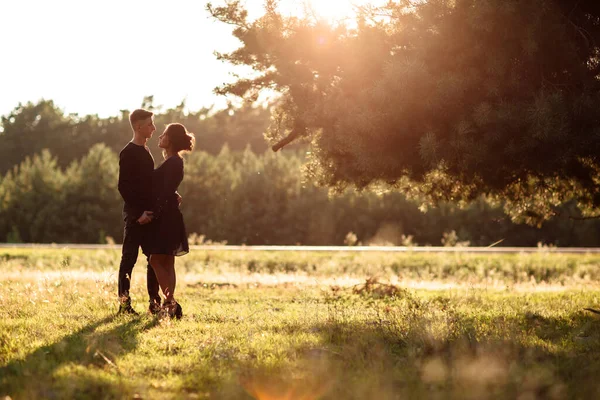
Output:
(519, 356)
(88, 357)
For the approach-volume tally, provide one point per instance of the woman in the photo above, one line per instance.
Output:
(166, 235)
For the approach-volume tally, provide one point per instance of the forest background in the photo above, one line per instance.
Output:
(59, 172)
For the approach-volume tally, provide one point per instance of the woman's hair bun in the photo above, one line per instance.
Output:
(180, 138)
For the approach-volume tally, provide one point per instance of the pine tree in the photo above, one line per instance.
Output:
(448, 99)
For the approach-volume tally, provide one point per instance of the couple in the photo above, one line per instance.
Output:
(151, 211)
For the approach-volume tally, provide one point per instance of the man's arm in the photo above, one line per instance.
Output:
(145, 218)
(126, 185)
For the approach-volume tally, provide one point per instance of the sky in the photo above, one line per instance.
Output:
(99, 57)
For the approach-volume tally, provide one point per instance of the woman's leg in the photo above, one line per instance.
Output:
(173, 308)
(171, 280)
(158, 265)
(164, 268)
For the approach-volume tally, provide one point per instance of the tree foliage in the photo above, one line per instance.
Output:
(448, 99)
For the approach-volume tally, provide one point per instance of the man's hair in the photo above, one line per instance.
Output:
(139, 115)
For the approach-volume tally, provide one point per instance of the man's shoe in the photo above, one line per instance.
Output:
(125, 308)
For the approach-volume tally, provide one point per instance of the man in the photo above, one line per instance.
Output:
(136, 166)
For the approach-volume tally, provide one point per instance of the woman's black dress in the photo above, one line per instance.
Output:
(166, 233)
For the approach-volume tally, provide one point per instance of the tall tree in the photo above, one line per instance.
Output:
(29, 128)
(91, 199)
(450, 99)
(32, 202)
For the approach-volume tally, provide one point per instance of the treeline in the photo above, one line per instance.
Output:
(32, 127)
(242, 197)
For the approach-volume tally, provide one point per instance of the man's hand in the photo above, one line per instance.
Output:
(145, 218)
(178, 199)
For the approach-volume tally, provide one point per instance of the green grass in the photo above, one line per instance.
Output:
(304, 326)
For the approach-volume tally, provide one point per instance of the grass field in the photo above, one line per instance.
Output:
(304, 326)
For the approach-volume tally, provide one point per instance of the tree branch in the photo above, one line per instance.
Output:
(286, 140)
(217, 14)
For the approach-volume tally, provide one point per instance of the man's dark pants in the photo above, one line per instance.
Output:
(132, 240)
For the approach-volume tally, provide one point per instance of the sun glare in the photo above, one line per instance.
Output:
(333, 9)
(330, 10)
